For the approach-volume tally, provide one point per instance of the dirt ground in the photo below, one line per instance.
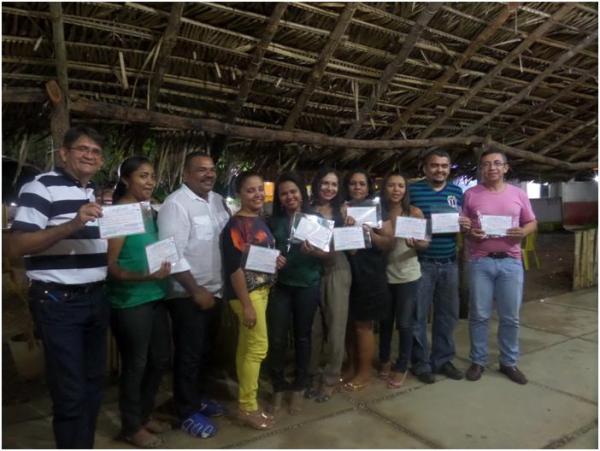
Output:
(555, 251)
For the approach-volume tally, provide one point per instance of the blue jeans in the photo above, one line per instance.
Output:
(500, 280)
(439, 285)
(402, 308)
(73, 326)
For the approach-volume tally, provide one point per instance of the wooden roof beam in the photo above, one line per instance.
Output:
(133, 115)
(526, 43)
(390, 70)
(257, 60)
(439, 84)
(167, 43)
(533, 85)
(568, 136)
(550, 101)
(555, 126)
(319, 68)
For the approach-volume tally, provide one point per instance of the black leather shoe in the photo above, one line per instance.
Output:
(474, 372)
(450, 371)
(514, 374)
(426, 378)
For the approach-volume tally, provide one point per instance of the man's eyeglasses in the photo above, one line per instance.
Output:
(489, 164)
(94, 151)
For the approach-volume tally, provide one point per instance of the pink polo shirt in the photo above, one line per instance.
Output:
(512, 202)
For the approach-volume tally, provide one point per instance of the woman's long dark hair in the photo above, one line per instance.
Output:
(385, 203)
(315, 187)
(128, 167)
(370, 182)
(295, 178)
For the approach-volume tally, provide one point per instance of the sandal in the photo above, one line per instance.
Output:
(384, 370)
(355, 386)
(145, 441)
(393, 382)
(326, 392)
(156, 426)
(296, 403)
(256, 419)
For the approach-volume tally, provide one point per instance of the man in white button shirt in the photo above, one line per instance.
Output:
(195, 216)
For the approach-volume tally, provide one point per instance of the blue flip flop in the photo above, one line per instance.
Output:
(198, 425)
(211, 408)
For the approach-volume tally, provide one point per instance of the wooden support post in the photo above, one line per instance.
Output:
(59, 94)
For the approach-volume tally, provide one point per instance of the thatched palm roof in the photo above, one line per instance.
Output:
(521, 75)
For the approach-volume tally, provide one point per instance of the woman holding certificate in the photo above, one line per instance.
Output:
(369, 294)
(295, 296)
(403, 274)
(329, 326)
(139, 316)
(248, 291)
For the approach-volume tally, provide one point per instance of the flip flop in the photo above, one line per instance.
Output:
(391, 383)
(197, 425)
(354, 386)
(211, 408)
(150, 442)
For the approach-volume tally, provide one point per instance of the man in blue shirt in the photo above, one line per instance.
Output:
(440, 282)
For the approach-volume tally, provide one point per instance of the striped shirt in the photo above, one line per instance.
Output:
(51, 199)
(430, 201)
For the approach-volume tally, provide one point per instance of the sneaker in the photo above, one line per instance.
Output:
(426, 378)
(450, 371)
(474, 372)
(514, 374)
(211, 408)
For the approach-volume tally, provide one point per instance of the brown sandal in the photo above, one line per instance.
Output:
(156, 426)
(149, 441)
(256, 419)
(396, 383)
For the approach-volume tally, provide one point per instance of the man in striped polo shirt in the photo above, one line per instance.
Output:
(440, 281)
(56, 229)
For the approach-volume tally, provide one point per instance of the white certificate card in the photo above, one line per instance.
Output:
(121, 220)
(411, 228)
(364, 215)
(348, 238)
(495, 225)
(444, 223)
(161, 251)
(262, 259)
(314, 233)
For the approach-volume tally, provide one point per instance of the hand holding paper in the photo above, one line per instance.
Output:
(161, 252)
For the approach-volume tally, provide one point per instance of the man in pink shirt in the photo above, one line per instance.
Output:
(501, 216)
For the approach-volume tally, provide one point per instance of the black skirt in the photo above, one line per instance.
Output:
(369, 294)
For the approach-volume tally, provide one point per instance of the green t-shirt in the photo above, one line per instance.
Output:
(125, 294)
(301, 270)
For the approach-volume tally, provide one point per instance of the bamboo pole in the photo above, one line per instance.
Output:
(59, 118)
(568, 136)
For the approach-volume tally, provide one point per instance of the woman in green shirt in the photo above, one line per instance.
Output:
(293, 300)
(139, 318)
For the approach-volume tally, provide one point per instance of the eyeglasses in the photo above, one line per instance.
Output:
(489, 164)
(94, 151)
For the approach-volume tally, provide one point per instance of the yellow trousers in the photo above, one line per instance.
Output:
(252, 348)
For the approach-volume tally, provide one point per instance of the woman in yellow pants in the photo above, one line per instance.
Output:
(248, 292)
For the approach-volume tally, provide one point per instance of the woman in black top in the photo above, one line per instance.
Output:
(369, 294)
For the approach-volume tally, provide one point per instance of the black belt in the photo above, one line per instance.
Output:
(438, 260)
(499, 255)
(80, 288)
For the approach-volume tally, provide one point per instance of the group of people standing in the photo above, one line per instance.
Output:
(331, 303)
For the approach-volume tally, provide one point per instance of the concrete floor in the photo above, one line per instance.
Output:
(557, 409)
